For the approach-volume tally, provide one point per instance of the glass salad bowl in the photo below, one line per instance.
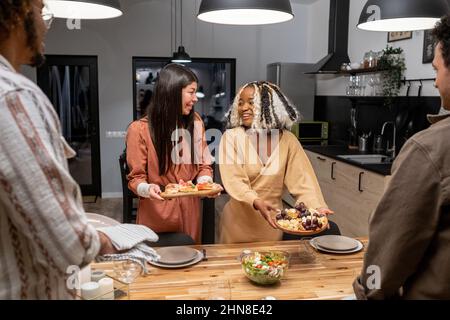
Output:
(265, 267)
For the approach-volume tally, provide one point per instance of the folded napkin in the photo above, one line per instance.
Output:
(126, 236)
(140, 254)
(131, 239)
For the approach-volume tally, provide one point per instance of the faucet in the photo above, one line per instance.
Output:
(390, 151)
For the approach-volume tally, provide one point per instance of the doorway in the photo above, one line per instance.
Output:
(71, 84)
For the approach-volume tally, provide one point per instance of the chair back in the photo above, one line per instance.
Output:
(129, 212)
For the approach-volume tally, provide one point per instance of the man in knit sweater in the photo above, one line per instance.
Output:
(43, 226)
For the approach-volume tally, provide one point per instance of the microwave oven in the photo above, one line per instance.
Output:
(311, 130)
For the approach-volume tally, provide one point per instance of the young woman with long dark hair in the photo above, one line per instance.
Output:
(168, 145)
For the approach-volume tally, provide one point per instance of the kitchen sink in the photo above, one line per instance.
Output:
(367, 158)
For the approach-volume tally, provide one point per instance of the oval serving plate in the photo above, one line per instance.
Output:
(202, 193)
(302, 233)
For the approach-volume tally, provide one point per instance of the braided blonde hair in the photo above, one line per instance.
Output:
(272, 109)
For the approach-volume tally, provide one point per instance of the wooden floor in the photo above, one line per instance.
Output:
(108, 207)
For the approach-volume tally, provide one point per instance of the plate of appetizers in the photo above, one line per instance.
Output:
(189, 189)
(301, 221)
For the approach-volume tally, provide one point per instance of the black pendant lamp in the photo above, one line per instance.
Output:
(402, 15)
(86, 9)
(181, 55)
(245, 12)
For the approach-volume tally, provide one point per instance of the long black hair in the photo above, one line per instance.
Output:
(145, 102)
(165, 112)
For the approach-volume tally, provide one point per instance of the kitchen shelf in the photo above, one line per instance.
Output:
(365, 98)
(361, 71)
(349, 72)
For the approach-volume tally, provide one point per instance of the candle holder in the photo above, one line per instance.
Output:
(121, 291)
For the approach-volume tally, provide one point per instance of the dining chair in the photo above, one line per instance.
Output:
(129, 211)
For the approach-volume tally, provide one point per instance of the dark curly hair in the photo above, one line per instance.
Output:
(442, 35)
(11, 13)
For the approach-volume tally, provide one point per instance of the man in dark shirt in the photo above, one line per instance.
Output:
(409, 236)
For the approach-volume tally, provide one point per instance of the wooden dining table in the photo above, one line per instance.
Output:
(311, 275)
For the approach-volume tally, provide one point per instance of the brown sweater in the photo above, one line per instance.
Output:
(410, 229)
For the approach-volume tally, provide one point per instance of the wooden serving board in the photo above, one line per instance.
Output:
(202, 193)
(302, 233)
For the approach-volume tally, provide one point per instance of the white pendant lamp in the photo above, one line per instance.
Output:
(87, 9)
(402, 15)
(245, 12)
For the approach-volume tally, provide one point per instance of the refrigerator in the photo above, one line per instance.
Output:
(299, 87)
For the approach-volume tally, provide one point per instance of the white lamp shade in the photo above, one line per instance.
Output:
(402, 15)
(87, 9)
(245, 12)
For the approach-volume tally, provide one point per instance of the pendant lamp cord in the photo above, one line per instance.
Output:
(181, 21)
(176, 25)
(171, 26)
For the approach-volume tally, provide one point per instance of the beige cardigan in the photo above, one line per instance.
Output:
(246, 178)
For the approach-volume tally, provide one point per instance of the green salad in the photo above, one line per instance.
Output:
(265, 267)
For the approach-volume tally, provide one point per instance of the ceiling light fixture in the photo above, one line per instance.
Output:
(402, 15)
(181, 55)
(245, 12)
(200, 93)
(87, 9)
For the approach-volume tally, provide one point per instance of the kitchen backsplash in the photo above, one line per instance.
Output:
(409, 114)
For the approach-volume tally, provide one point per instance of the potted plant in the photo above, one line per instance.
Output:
(392, 61)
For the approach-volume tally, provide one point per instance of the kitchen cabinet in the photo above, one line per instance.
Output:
(352, 192)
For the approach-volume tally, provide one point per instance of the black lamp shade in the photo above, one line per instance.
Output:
(402, 15)
(84, 9)
(245, 12)
(181, 56)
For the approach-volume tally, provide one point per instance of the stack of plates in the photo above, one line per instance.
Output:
(336, 244)
(177, 257)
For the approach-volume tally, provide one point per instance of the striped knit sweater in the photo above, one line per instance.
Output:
(43, 227)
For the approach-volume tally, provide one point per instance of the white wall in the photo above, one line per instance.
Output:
(317, 45)
(145, 30)
(362, 41)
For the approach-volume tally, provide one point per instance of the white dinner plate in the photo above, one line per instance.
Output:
(336, 243)
(197, 259)
(176, 255)
(101, 221)
(357, 249)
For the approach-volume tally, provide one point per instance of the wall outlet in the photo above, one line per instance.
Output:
(116, 134)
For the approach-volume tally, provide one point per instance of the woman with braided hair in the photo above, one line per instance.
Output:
(259, 157)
